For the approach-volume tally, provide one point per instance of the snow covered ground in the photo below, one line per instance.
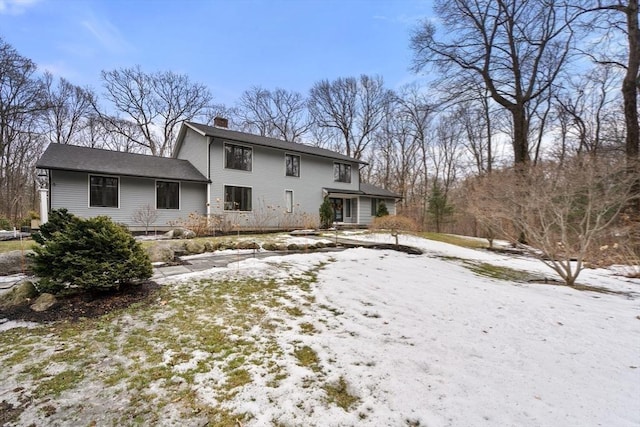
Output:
(412, 340)
(423, 341)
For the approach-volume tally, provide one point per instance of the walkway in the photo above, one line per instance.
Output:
(216, 260)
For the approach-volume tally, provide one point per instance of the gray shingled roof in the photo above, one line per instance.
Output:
(366, 190)
(372, 190)
(232, 135)
(84, 159)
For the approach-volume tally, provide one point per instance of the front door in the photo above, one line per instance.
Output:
(338, 213)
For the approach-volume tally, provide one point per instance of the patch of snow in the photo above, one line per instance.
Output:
(422, 339)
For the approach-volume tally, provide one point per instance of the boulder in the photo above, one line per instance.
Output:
(20, 293)
(194, 247)
(44, 302)
(15, 262)
(160, 253)
(180, 233)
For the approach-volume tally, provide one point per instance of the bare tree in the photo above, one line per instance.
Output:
(145, 215)
(351, 108)
(279, 114)
(616, 18)
(156, 102)
(587, 111)
(569, 207)
(22, 107)
(516, 48)
(417, 109)
(70, 108)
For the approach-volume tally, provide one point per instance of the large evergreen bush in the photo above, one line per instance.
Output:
(87, 254)
(326, 213)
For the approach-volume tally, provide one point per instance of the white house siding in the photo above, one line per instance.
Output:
(70, 190)
(194, 149)
(365, 217)
(269, 183)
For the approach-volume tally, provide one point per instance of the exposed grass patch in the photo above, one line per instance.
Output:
(455, 240)
(201, 338)
(501, 273)
(55, 385)
(307, 358)
(16, 245)
(307, 328)
(294, 311)
(339, 395)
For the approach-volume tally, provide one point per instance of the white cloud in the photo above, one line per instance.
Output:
(15, 7)
(107, 34)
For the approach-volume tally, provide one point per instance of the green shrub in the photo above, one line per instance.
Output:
(5, 224)
(87, 254)
(382, 209)
(326, 213)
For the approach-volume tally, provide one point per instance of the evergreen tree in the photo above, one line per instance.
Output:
(326, 213)
(87, 254)
(439, 208)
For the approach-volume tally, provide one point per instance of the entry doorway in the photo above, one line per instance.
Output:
(338, 209)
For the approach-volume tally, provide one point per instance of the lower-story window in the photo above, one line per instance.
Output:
(103, 191)
(237, 198)
(288, 197)
(167, 195)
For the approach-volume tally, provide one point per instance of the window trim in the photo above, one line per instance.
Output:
(374, 206)
(224, 156)
(285, 164)
(179, 194)
(334, 172)
(288, 209)
(224, 202)
(89, 191)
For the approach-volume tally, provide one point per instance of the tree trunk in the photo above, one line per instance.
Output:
(520, 135)
(630, 94)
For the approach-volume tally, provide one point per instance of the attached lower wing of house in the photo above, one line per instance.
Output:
(249, 180)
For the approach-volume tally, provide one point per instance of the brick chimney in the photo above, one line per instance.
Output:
(221, 122)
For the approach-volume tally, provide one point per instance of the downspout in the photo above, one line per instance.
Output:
(209, 180)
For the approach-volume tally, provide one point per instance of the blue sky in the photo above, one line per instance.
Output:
(227, 45)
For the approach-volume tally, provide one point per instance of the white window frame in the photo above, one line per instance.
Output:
(224, 156)
(288, 200)
(155, 185)
(299, 165)
(89, 191)
(224, 202)
(334, 172)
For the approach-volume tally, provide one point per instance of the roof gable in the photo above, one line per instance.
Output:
(95, 160)
(264, 141)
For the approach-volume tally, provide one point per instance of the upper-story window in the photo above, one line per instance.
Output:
(341, 172)
(237, 157)
(103, 191)
(292, 164)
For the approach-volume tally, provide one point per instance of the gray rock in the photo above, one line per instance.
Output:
(194, 247)
(180, 233)
(15, 262)
(44, 302)
(160, 253)
(22, 292)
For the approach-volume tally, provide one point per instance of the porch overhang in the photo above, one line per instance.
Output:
(337, 192)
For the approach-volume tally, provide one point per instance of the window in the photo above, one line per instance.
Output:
(237, 157)
(288, 198)
(292, 164)
(374, 207)
(237, 198)
(167, 195)
(103, 191)
(341, 172)
(347, 208)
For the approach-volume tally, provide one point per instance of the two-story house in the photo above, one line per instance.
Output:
(215, 172)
